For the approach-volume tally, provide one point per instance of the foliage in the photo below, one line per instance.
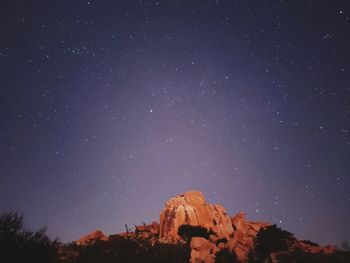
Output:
(119, 249)
(224, 256)
(186, 232)
(302, 256)
(272, 239)
(128, 229)
(20, 245)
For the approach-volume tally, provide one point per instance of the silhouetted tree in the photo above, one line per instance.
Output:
(272, 239)
(20, 245)
(251, 257)
(224, 256)
(345, 245)
(186, 232)
(127, 229)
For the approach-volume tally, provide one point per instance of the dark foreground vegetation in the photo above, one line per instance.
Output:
(273, 240)
(120, 249)
(17, 245)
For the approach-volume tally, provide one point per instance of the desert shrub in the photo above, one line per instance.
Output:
(186, 232)
(170, 253)
(272, 239)
(119, 249)
(301, 256)
(224, 256)
(251, 257)
(20, 245)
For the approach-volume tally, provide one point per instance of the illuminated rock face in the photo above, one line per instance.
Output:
(191, 208)
(242, 241)
(234, 236)
(91, 238)
(202, 250)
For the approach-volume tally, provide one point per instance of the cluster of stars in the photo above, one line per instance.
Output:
(242, 101)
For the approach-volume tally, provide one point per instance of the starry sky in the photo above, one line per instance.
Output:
(109, 108)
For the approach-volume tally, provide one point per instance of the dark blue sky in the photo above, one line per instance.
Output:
(109, 108)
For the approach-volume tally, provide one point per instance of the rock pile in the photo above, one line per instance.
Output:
(191, 208)
(236, 234)
(219, 235)
(244, 234)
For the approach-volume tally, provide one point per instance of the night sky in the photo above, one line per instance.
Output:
(109, 108)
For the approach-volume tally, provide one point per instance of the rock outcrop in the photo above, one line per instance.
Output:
(191, 208)
(210, 235)
(202, 250)
(315, 249)
(91, 238)
(244, 234)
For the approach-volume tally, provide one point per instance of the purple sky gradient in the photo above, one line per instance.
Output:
(109, 108)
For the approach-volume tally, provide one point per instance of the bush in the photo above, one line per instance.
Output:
(186, 232)
(224, 256)
(119, 249)
(20, 245)
(272, 239)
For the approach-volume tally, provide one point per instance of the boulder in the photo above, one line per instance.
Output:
(91, 238)
(315, 249)
(225, 235)
(202, 250)
(191, 208)
(155, 228)
(242, 241)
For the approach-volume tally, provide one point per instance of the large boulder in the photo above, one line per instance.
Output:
(91, 238)
(242, 241)
(314, 248)
(191, 208)
(202, 250)
(227, 240)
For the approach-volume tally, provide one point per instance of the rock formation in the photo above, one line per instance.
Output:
(91, 238)
(191, 208)
(202, 250)
(244, 234)
(315, 249)
(220, 237)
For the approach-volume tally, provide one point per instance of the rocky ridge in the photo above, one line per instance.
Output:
(235, 235)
